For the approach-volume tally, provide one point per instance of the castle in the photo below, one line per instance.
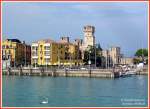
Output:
(63, 52)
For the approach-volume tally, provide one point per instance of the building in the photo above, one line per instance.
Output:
(107, 61)
(112, 56)
(115, 55)
(64, 39)
(27, 50)
(49, 52)
(126, 60)
(14, 51)
(89, 38)
(41, 52)
(79, 43)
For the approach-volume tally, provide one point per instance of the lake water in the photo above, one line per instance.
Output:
(29, 91)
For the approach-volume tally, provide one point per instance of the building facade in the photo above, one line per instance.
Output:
(126, 60)
(15, 51)
(115, 55)
(49, 52)
(112, 56)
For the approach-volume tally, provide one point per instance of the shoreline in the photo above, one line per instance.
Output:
(96, 73)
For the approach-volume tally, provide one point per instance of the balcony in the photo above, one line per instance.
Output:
(47, 44)
(34, 56)
(47, 56)
(35, 45)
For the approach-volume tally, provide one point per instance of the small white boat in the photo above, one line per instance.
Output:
(127, 73)
(45, 101)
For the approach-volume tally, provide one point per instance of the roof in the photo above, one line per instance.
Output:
(14, 40)
(45, 40)
(48, 40)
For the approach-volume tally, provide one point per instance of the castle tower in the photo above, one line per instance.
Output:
(89, 38)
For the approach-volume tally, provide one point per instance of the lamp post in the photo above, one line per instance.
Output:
(46, 64)
(36, 55)
(58, 56)
(106, 59)
(25, 54)
(35, 63)
(14, 57)
(89, 60)
(70, 61)
(95, 55)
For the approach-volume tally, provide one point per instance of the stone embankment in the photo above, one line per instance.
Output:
(100, 73)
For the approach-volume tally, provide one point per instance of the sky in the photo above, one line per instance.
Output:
(123, 24)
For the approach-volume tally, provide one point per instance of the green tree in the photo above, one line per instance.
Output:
(90, 53)
(141, 53)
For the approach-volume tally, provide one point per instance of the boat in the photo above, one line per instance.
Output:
(45, 101)
(127, 73)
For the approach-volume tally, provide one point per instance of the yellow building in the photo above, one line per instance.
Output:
(14, 51)
(49, 52)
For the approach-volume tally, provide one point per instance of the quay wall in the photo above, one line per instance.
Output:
(100, 73)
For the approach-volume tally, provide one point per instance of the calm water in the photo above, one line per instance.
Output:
(70, 91)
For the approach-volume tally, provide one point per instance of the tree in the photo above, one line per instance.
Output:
(141, 53)
(99, 47)
(90, 53)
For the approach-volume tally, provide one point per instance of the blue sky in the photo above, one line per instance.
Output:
(121, 24)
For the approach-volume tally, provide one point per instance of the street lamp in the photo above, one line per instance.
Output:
(14, 57)
(25, 55)
(95, 55)
(89, 62)
(46, 64)
(58, 56)
(35, 63)
(70, 60)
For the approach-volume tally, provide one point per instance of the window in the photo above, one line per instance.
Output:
(10, 46)
(34, 53)
(7, 46)
(3, 47)
(33, 47)
(47, 53)
(35, 60)
(47, 61)
(47, 47)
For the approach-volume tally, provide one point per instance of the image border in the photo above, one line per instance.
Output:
(5, 1)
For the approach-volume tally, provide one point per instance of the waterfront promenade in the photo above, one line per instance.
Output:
(101, 73)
